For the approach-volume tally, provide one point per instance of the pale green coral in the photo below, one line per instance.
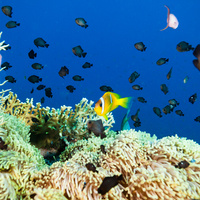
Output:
(18, 159)
(148, 164)
(16, 136)
(54, 126)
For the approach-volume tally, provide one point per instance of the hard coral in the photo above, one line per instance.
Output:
(2, 45)
(51, 125)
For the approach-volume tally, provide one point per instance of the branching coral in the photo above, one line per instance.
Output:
(52, 125)
(2, 45)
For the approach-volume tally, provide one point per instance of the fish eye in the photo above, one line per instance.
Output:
(100, 104)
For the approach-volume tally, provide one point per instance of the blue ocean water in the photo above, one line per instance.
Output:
(114, 27)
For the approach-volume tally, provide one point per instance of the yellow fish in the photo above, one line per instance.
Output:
(109, 101)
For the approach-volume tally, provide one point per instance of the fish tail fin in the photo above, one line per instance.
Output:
(84, 54)
(125, 102)
(165, 28)
(46, 45)
(86, 26)
(145, 48)
(18, 24)
(106, 117)
(191, 48)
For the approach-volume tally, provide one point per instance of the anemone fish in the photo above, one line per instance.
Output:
(110, 101)
(172, 21)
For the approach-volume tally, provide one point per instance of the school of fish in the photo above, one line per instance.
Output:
(109, 100)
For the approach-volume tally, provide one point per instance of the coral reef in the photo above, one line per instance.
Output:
(147, 165)
(2, 45)
(53, 126)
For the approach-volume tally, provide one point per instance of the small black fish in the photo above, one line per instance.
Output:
(6, 65)
(91, 167)
(162, 61)
(135, 117)
(12, 24)
(164, 88)
(141, 99)
(7, 10)
(78, 51)
(77, 78)
(157, 111)
(34, 79)
(96, 126)
(193, 98)
(103, 149)
(137, 87)
(32, 90)
(37, 66)
(71, 88)
(40, 87)
(63, 71)
(168, 109)
(137, 124)
(184, 46)
(32, 54)
(173, 102)
(197, 119)
(48, 92)
(133, 77)
(105, 88)
(140, 46)
(87, 65)
(179, 112)
(39, 42)
(42, 100)
(10, 79)
(183, 164)
(108, 183)
(81, 22)
(196, 53)
(169, 74)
